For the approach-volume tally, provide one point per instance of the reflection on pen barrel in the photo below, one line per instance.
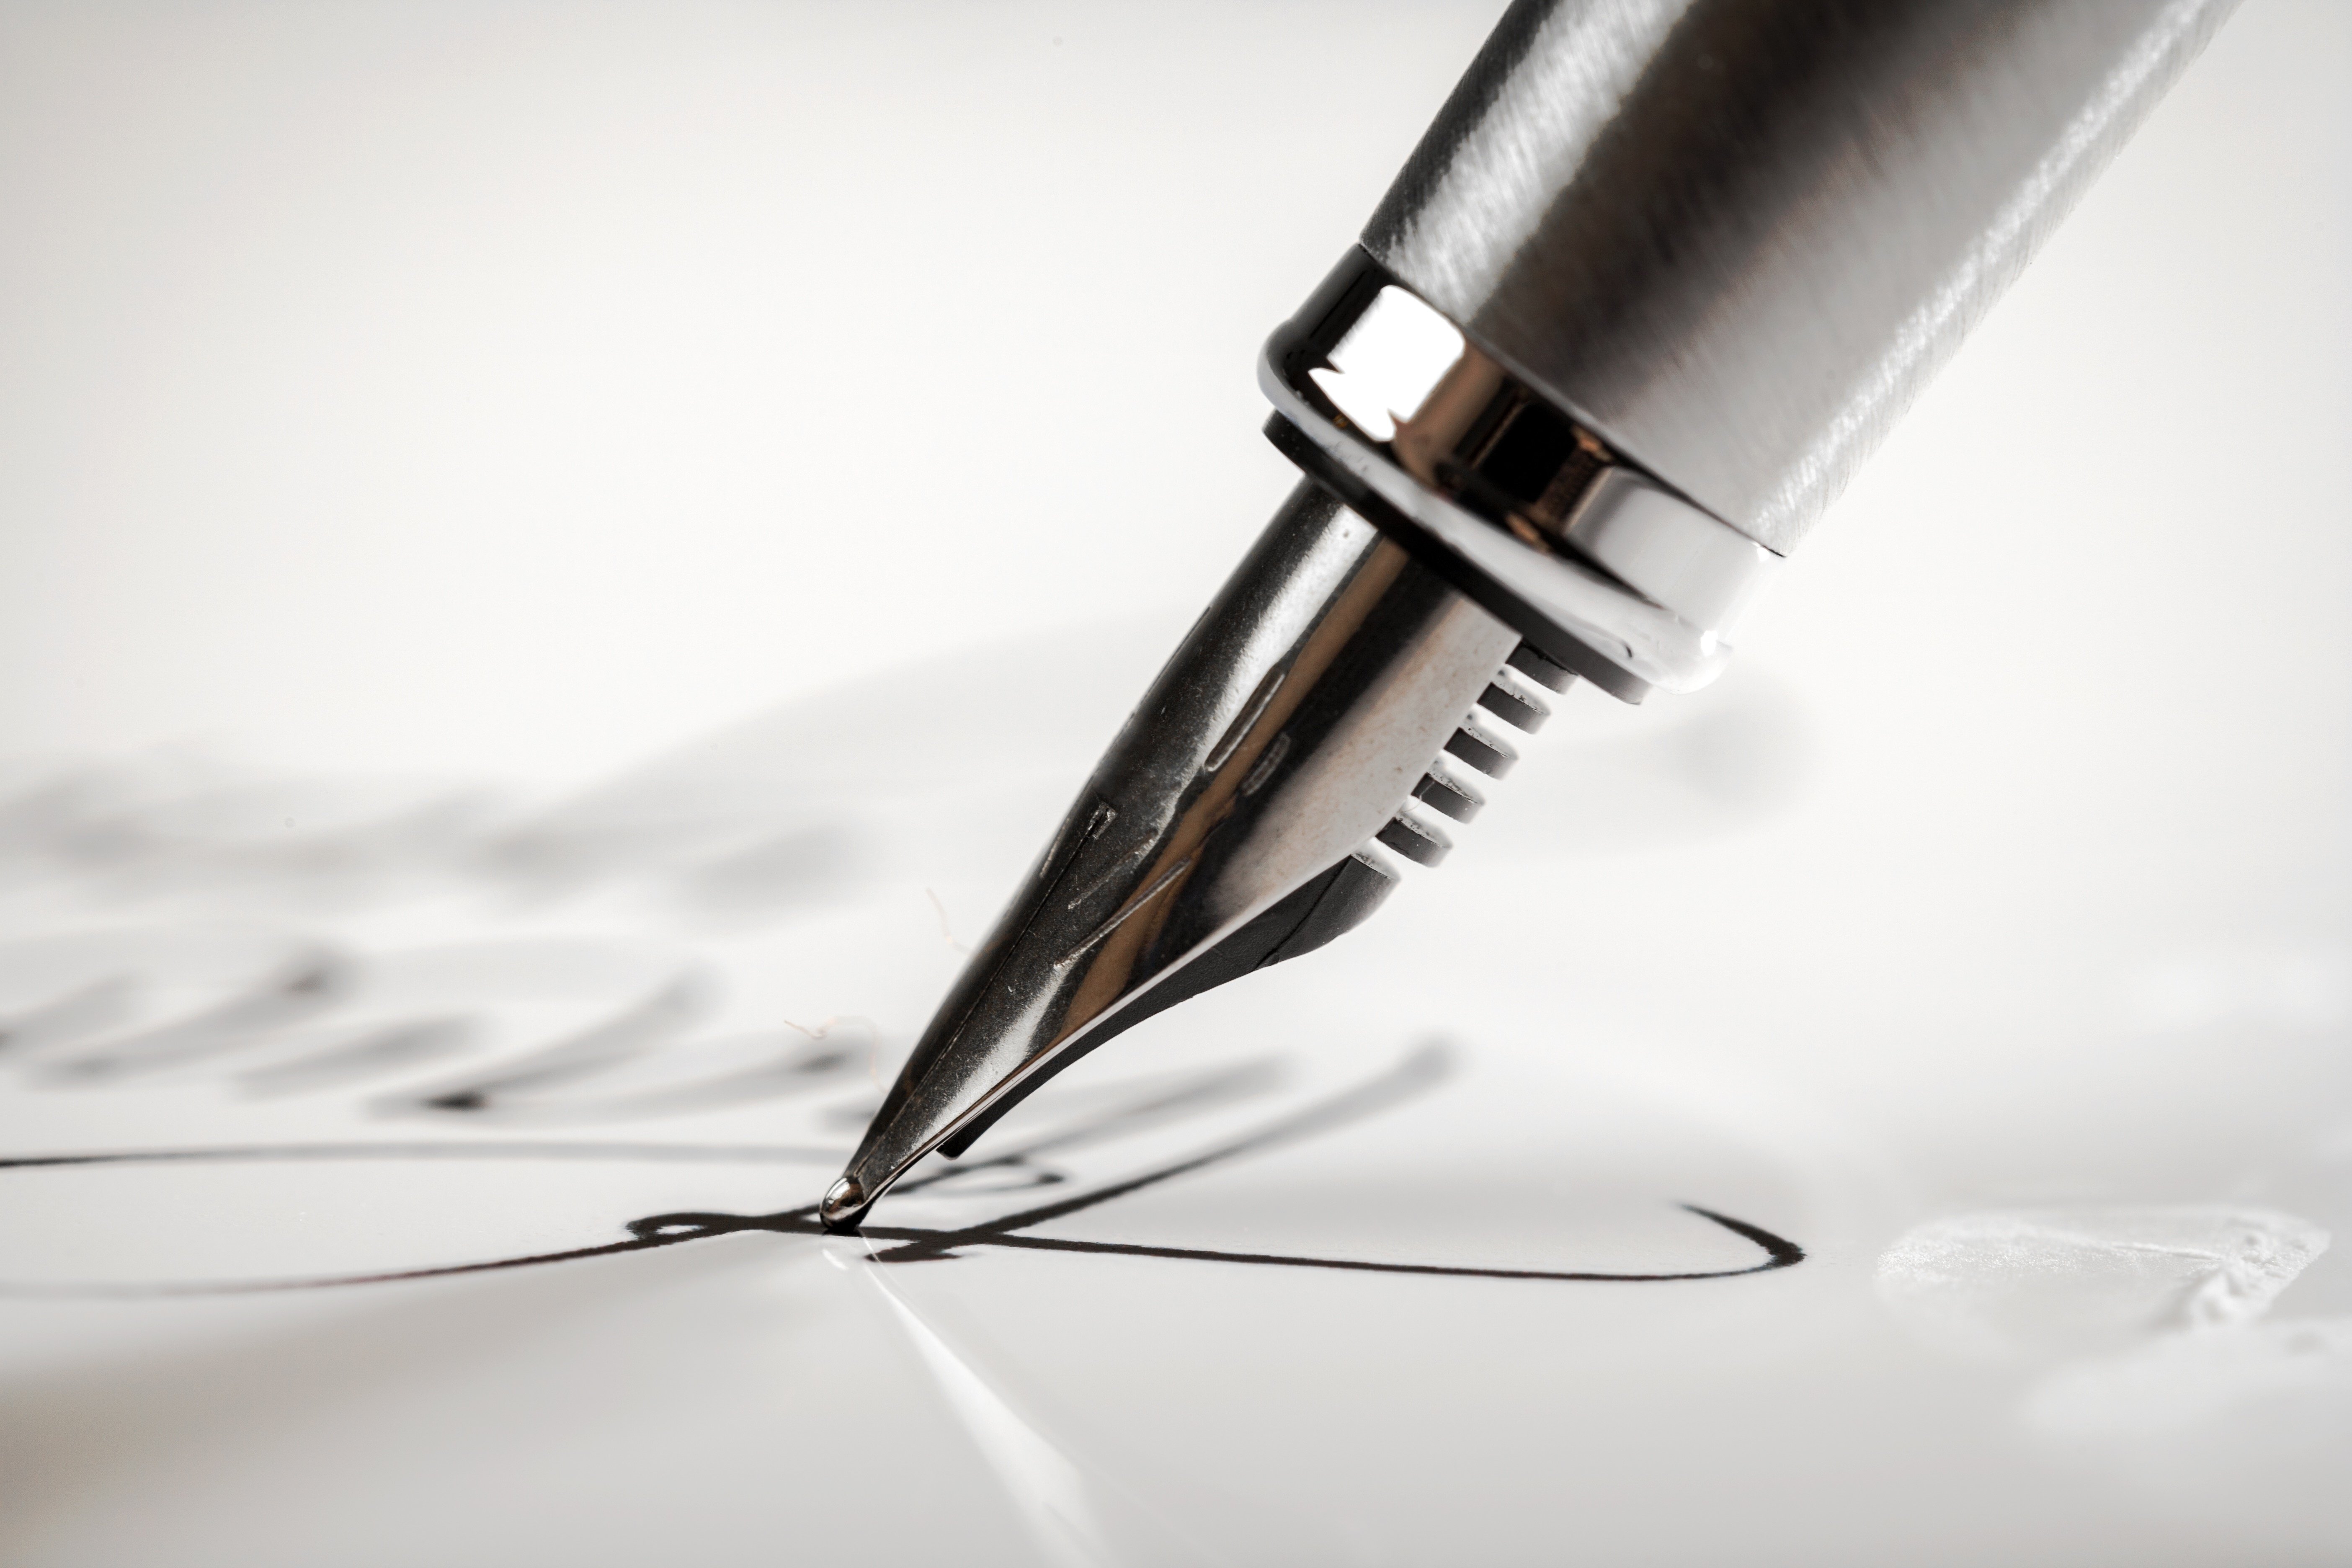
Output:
(1712, 249)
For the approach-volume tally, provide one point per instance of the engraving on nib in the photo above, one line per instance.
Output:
(844, 1205)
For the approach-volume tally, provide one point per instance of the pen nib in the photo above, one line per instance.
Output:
(1232, 825)
(844, 1206)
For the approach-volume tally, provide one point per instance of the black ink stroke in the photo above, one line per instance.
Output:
(1779, 1253)
(823, 1159)
(1418, 1071)
(446, 1148)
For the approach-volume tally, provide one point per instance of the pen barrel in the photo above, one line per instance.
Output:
(1732, 239)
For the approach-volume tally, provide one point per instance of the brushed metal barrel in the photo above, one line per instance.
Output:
(1733, 237)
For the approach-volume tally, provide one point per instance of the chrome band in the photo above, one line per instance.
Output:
(1429, 436)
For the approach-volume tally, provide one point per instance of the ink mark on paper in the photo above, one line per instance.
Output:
(1020, 1171)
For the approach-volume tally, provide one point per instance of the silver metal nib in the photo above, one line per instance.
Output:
(1230, 825)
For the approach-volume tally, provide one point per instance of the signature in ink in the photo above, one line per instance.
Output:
(1025, 1167)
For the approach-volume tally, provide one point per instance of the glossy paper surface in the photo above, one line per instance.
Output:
(1894, 1106)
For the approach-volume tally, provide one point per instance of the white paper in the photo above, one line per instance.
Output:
(456, 914)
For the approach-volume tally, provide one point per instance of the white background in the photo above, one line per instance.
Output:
(520, 388)
(523, 392)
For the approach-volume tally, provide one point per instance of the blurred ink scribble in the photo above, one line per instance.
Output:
(166, 831)
(473, 956)
(232, 1216)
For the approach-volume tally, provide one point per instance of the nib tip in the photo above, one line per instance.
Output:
(844, 1205)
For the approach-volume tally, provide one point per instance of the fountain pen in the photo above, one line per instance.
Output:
(1655, 282)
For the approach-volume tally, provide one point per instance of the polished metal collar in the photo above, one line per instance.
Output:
(1383, 398)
